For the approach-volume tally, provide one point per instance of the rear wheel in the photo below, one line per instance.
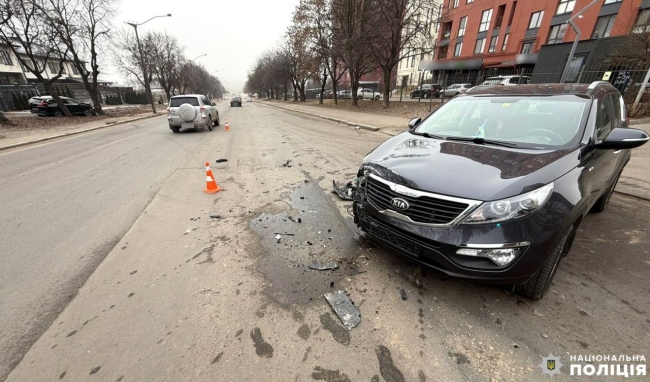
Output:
(601, 203)
(210, 123)
(426, 95)
(216, 122)
(88, 112)
(175, 129)
(377, 98)
(58, 113)
(538, 285)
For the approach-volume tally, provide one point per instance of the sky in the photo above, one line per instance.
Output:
(233, 33)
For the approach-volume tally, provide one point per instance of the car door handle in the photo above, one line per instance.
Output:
(617, 152)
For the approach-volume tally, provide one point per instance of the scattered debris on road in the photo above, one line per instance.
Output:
(287, 163)
(221, 160)
(277, 238)
(344, 308)
(292, 219)
(345, 192)
(323, 266)
(402, 293)
(215, 216)
(285, 234)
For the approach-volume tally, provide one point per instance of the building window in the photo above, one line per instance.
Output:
(64, 71)
(461, 26)
(480, 46)
(527, 48)
(536, 20)
(500, 12)
(457, 49)
(512, 12)
(493, 44)
(442, 52)
(486, 17)
(566, 6)
(53, 68)
(604, 26)
(5, 59)
(556, 35)
(470, 1)
(612, 1)
(505, 42)
(642, 23)
(456, 3)
(412, 61)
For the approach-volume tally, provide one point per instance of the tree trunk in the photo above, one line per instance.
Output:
(301, 87)
(386, 87)
(286, 89)
(355, 88)
(56, 98)
(295, 93)
(336, 96)
(4, 121)
(322, 87)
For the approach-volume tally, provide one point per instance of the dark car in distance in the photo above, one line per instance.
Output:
(235, 101)
(426, 91)
(45, 106)
(493, 185)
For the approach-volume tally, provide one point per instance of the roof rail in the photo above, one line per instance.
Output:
(596, 83)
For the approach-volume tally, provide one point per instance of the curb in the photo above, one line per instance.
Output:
(362, 126)
(72, 133)
(639, 121)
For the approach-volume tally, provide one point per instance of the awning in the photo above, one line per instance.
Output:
(527, 59)
(474, 64)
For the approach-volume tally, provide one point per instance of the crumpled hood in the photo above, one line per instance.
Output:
(465, 169)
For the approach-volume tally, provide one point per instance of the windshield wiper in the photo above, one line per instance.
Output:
(427, 135)
(482, 141)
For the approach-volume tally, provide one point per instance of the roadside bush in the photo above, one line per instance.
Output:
(113, 100)
(21, 100)
(135, 98)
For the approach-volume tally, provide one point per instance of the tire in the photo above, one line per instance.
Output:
(175, 130)
(537, 286)
(217, 121)
(88, 112)
(210, 123)
(602, 202)
(412, 96)
(425, 96)
(359, 98)
(57, 113)
(377, 98)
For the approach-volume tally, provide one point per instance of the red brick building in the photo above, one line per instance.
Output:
(492, 33)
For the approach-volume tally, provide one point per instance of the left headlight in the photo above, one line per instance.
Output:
(511, 208)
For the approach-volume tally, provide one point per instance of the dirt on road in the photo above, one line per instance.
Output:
(187, 297)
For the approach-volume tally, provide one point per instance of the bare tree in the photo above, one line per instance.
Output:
(27, 33)
(352, 27)
(299, 54)
(83, 26)
(401, 30)
(127, 57)
(166, 61)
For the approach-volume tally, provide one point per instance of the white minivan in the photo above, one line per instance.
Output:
(191, 111)
(507, 80)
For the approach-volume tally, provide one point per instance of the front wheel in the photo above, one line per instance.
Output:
(58, 113)
(88, 112)
(359, 98)
(377, 98)
(217, 122)
(537, 286)
(426, 95)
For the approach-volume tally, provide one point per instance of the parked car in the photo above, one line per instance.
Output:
(456, 89)
(235, 101)
(493, 186)
(477, 88)
(507, 80)
(192, 111)
(45, 106)
(366, 93)
(345, 94)
(249, 99)
(426, 91)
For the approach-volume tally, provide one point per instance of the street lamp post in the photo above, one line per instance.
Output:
(147, 85)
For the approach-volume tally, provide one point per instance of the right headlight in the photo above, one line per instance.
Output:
(511, 208)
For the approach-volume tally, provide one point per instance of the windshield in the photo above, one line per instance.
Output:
(176, 102)
(527, 121)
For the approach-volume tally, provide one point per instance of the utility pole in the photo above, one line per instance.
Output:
(147, 85)
(576, 40)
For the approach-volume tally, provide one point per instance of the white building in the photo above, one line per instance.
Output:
(12, 72)
(407, 69)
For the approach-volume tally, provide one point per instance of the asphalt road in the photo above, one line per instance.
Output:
(64, 206)
(183, 297)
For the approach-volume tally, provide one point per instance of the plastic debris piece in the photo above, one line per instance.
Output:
(277, 238)
(344, 192)
(299, 220)
(287, 163)
(402, 292)
(285, 234)
(221, 160)
(215, 216)
(292, 219)
(344, 308)
(323, 266)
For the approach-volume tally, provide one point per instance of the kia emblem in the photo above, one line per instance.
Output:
(400, 204)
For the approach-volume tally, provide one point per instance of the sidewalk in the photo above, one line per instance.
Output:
(12, 136)
(634, 180)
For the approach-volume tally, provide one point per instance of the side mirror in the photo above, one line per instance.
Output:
(623, 138)
(214, 104)
(414, 123)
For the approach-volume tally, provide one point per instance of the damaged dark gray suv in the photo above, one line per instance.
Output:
(493, 186)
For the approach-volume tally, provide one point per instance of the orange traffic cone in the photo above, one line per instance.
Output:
(211, 186)
(227, 128)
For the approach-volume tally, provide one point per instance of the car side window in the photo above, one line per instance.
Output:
(616, 104)
(604, 118)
